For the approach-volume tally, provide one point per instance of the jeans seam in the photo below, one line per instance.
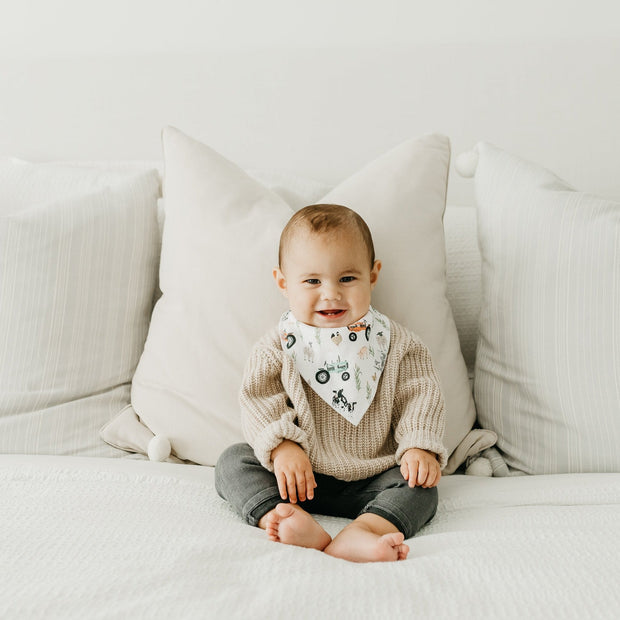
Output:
(393, 514)
(263, 497)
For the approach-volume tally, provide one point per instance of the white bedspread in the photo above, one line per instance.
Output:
(94, 538)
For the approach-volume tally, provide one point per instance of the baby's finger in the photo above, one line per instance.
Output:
(413, 474)
(310, 486)
(281, 480)
(404, 470)
(433, 476)
(291, 487)
(422, 473)
(301, 487)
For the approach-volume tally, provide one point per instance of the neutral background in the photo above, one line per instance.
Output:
(319, 87)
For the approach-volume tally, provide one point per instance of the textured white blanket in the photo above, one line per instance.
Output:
(95, 538)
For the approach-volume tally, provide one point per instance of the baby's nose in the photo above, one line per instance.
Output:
(331, 292)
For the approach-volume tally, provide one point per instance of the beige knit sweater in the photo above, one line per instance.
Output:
(407, 411)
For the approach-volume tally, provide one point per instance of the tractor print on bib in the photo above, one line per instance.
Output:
(323, 374)
(359, 327)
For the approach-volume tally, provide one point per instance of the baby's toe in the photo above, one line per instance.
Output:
(284, 511)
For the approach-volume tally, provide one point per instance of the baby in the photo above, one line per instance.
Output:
(341, 407)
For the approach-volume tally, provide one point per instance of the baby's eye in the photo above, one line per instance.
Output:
(347, 278)
(312, 281)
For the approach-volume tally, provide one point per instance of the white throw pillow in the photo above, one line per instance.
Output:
(547, 376)
(79, 251)
(463, 277)
(219, 248)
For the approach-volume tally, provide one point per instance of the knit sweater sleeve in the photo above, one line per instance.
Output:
(267, 414)
(419, 404)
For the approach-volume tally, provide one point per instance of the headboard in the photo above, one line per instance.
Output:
(316, 88)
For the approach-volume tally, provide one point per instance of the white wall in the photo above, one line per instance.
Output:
(152, 26)
(314, 87)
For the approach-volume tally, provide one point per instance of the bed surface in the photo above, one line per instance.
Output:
(124, 537)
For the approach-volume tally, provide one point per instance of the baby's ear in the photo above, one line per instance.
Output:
(278, 276)
(374, 273)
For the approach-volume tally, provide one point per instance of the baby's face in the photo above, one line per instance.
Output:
(327, 278)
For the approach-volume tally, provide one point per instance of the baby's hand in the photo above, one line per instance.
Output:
(293, 471)
(420, 468)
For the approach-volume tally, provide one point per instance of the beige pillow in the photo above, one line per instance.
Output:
(219, 247)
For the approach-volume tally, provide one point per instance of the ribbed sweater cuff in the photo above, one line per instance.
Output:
(423, 441)
(272, 436)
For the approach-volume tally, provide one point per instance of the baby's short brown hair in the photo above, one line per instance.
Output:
(326, 218)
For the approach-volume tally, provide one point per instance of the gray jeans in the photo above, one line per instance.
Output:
(252, 491)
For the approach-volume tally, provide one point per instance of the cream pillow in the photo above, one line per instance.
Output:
(547, 375)
(79, 251)
(219, 248)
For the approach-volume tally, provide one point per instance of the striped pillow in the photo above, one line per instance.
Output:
(547, 376)
(78, 270)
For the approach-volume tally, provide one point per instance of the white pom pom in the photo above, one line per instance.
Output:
(159, 448)
(480, 467)
(466, 163)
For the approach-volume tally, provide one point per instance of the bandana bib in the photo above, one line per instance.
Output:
(342, 365)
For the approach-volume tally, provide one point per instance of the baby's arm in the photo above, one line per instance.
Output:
(293, 471)
(419, 417)
(267, 415)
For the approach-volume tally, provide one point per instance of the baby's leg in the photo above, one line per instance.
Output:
(393, 512)
(249, 488)
(292, 525)
(253, 493)
(369, 538)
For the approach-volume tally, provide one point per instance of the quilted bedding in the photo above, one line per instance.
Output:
(101, 538)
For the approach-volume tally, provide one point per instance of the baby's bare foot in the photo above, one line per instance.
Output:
(358, 544)
(292, 525)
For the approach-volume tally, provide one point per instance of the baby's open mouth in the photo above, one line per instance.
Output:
(332, 313)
